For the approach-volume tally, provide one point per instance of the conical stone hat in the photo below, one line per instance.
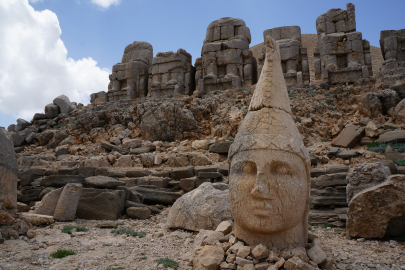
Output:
(269, 124)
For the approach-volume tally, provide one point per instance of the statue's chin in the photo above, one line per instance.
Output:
(266, 224)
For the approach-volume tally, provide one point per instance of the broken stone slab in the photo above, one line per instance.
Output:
(332, 151)
(159, 182)
(337, 169)
(348, 137)
(100, 204)
(331, 180)
(207, 257)
(187, 184)
(198, 169)
(138, 212)
(397, 136)
(65, 209)
(67, 171)
(30, 175)
(103, 182)
(153, 209)
(224, 169)
(86, 171)
(364, 176)
(51, 110)
(347, 154)
(22, 207)
(140, 150)
(329, 196)
(389, 126)
(210, 175)
(165, 174)
(112, 147)
(137, 173)
(316, 254)
(220, 147)
(29, 194)
(36, 219)
(202, 208)
(156, 195)
(48, 203)
(371, 210)
(61, 180)
(182, 172)
(224, 227)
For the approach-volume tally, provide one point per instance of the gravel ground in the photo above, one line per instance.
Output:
(99, 248)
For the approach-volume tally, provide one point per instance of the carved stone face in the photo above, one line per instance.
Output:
(268, 190)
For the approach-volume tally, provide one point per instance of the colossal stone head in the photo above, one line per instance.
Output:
(269, 177)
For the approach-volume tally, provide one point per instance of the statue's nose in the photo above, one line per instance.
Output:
(262, 189)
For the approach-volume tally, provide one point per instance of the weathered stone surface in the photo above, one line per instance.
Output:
(100, 204)
(224, 227)
(269, 162)
(348, 137)
(51, 111)
(36, 219)
(103, 182)
(364, 176)
(112, 147)
(203, 208)
(207, 257)
(260, 252)
(187, 184)
(154, 195)
(371, 130)
(8, 171)
(6, 218)
(316, 254)
(296, 263)
(22, 207)
(137, 173)
(371, 210)
(61, 180)
(397, 136)
(139, 212)
(63, 103)
(48, 203)
(65, 209)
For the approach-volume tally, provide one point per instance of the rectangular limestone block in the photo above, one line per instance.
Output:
(227, 31)
(230, 56)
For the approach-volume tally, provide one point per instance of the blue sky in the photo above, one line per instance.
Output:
(94, 35)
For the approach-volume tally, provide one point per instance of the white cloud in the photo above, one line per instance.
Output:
(34, 68)
(35, 1)
(105, 4)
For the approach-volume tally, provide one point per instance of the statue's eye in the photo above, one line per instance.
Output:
(280, 168)
(250, 168)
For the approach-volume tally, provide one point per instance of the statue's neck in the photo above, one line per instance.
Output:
(295, 237)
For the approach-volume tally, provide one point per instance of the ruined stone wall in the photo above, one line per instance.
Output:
(171, 73)
(392, 44)
(294, 57)
(342, 55)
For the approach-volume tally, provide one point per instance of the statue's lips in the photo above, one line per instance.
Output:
(263, 207)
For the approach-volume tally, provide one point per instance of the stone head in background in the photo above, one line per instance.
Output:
(226, 61)
(269, 177)
(294, 57)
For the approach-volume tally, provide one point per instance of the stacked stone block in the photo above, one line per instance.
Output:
(392, 45)
(226, 61)
(342, 56)
(294, 57)
(172, 72)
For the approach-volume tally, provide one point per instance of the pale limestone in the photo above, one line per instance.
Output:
(65, 209)
(269, 180)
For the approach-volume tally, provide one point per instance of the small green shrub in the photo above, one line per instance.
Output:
(331, 108)
(111, 268)
(204, 96)
(328, 225)
(310, 228)
(329, 101)
(215, 92)
(328, 94)
(311, 94)
(231, 139)
(400, 162)
(61, 253)
(129, 232)
(166, 262)
(68, 229)
(144, 258)
(243, 89)
(324, 140)
(56, 127)
(373, 144)
(381, 147)
(171, 95)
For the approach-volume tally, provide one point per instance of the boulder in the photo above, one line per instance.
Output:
(372, 130)
(155, 195)
(220, 147)
(397, 136)
(389, 99)
(372, 106)
(364, 176)
(139, 212)
(61, 180)
(103, 182)
(349, 137)
(17, 139)
(51, 111)
(207, 257)
(203, 208)
(36, 219)
(8, 171)
(100, 204)
(63, 103)
(372, 211)
(168, 121)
